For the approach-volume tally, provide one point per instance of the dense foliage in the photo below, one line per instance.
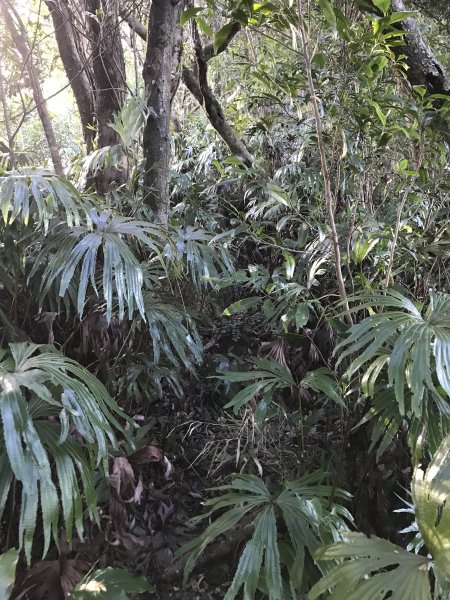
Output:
(224, 301)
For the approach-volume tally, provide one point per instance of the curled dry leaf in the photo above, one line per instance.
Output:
(148, 454)
(123, 481)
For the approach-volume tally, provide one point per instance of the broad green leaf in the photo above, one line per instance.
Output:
(363, 576)
(277, 194)
(378, 110)
(188, 14)
(383, 5)
(400, 16)
(242, 305)
(8, 564)
(431, 496)
(204, 27)
(289, 264)
(301, 316)
(221, 36)
(328, 12)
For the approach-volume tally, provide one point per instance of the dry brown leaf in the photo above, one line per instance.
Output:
(52, 580)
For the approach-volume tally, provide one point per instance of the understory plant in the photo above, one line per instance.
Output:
(288, 525)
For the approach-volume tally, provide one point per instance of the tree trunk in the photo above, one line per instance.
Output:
(108, 68)
(161, 40)
(76, 66)
(424, 67)
(203, 93)
(18, 34)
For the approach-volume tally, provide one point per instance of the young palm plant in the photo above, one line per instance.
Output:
(58, 423)
(413, 348)
(301, 508)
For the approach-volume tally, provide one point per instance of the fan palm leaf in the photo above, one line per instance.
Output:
(74, 255)
(414, 346)
(37, 383)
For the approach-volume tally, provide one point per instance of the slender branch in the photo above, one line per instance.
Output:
(9, 135)
(324, 164)
(19, 36)
(196, 81)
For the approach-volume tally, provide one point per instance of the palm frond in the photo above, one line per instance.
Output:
(414, 347)
(268, 377)
(73, 257)
(173, 333)
(198, 253)
(302, 504)
(364, 575)
(40, 195)
(36, 383)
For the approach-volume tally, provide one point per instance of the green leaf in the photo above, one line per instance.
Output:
(378, 110)
(400, 16)
(277, 194)
(188, 14)
(383, 5)
(241, 305)
(431, 496)
(222, 36)
(36, 382)
(8, 564)
(408, 339)
(328, 12)
(301, 316)
(289, 264)
(323, 381)
(263, 541)
(204, 27)
(363, 576)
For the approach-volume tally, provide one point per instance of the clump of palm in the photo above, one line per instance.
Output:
(57, 425)
(269, 377)
(73, 258)
(301, 507)
(410, 346)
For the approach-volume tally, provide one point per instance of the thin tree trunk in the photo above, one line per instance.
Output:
(329, 200)
(17, 31)
(76, 66)
(161, 38)
(108, 68)
(9, 135)
(203, 93)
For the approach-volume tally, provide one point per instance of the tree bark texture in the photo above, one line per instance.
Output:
(108, 67)
(157, 72)
(76, 65)
(424, 67)
(203, 93)
(18, 34)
